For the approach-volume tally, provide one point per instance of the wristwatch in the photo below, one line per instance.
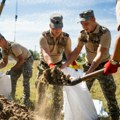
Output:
(113, 62)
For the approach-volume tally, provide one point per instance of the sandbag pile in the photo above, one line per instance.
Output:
(55, 76)
(10, 110)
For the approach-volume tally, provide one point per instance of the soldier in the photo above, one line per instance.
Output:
(96, 40)
(23, 65)
(112, 65)
(52, 44)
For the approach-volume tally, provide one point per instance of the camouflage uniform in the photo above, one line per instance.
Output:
(93, 40)
(55, 102)
(25, 69)
(108, 87)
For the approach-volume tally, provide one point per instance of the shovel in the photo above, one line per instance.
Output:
(86, 77)
(67, 82)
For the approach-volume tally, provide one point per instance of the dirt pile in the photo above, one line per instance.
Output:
(10, 110)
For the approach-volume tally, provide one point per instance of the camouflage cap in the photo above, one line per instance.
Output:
(85, 15)
(56, 20)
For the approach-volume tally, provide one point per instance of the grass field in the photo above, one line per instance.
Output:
(95, 91)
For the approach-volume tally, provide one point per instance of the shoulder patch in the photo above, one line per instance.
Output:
(103, 29)
(65, 34)
(46, 33)
(84, 37)
(82, 31)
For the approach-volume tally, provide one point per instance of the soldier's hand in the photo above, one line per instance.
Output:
(110, 68)
(8, 72)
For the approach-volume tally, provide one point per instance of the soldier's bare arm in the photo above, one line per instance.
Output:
(116, 53)
(19, 62)
(68, 49)
(73, 55)
(46, 55)
(101, 52)
(45, 50)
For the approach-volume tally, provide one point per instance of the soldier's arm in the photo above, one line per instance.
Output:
(19, 62)
(4, 61)
(45, 51)
(46, 55)
(101, 51)
(110, 67)
(116, 52)
(68, 48)
(73, 55)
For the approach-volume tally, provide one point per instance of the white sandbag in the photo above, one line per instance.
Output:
(100, 110)
(5, 85)
(78, 104)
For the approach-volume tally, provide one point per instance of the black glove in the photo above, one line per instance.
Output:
(8, 72)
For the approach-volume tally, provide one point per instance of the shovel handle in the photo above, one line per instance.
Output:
(87, 76)
(93, 74)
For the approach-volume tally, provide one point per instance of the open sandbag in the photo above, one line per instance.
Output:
(78, 104)
(5, 85)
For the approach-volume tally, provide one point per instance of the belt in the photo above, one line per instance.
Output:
(47, 64)
(43, 63)
(86, 66)
(101, 64)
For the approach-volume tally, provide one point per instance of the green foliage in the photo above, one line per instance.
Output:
(81, 58)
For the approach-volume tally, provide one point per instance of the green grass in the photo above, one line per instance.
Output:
(95, 91)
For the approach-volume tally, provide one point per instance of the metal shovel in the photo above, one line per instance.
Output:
(86, 77)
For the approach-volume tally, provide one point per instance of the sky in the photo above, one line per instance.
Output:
(33, 19)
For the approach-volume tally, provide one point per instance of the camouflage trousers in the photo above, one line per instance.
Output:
(108, 87)
(26, 71)
(49, 98)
